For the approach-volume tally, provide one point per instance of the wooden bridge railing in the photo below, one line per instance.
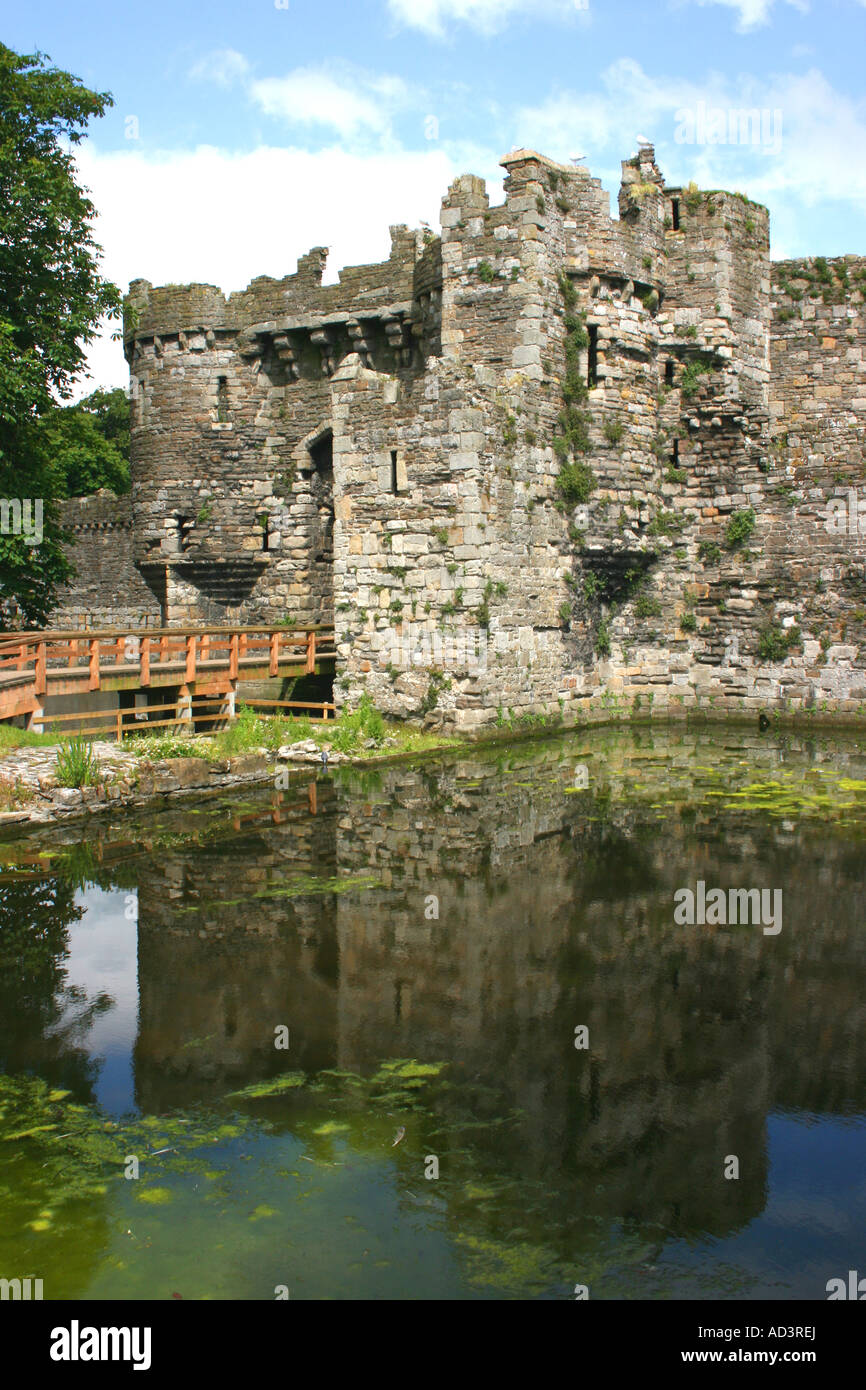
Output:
(31, 663)
(198, 651)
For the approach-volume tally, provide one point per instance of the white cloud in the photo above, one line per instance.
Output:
(340, 97)
(753, 13)
(809, 165)
(224, 66)
(485, 16)
(221, 218)
(349, 103)
(820, 125)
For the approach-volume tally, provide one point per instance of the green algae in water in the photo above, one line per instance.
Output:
(411, 1069)
(310, 887)
(262, 1212)
(156, 1196)
(277, 1086)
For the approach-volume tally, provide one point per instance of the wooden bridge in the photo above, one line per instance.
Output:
(201, 664)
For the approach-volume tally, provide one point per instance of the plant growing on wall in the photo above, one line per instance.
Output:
(435, 686)
(576, 479)
(740, 527)
(692, 197)
(646, 606)
(602, 639)
(774, 643)
(709, 553)
(691, 376)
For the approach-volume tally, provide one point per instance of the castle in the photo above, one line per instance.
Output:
(544, 457)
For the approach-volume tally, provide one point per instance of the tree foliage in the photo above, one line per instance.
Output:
(52, 299)
(88, 443)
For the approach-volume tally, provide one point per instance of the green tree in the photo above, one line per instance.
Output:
(52, 299)
(88, 443)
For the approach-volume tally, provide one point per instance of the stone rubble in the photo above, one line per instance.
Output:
(132, 781)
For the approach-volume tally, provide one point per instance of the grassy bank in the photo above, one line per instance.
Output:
(360, 733)
(354, 732)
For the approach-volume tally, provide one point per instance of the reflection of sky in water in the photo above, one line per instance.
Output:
(809, 1231)
(103, 959)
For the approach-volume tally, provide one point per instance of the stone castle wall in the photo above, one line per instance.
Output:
(386, 453)
(107, 590)
(231, 432)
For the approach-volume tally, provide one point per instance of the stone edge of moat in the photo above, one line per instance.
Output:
(134, 782)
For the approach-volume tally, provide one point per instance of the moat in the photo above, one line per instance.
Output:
(435, 1032)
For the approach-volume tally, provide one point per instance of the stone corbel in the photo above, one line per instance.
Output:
(286, 355)
(249, 345)
(324, 342)
(358, 343)
(398, 339)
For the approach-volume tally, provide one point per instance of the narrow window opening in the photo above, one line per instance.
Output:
(669, 372)
(264, 522)
(592, 358)
(322, 454)
(675, 212)
(675, 456)
(183, 526)
(394, 470)
(222, 400)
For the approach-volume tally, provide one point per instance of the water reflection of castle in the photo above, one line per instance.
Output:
(553, 911)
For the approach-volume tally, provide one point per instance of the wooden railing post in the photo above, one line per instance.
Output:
(190, 657)
(311, 653)
(233, 657)
(41, 668)
(144, 676)
(93, 683)
(275, 654)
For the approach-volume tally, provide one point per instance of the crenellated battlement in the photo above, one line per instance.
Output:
(169, 309)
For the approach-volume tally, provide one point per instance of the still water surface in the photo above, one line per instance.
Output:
(430, 940)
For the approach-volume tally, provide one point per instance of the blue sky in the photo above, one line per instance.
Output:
(244, 133)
